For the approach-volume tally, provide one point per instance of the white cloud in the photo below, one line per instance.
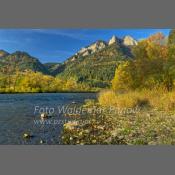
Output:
(8, 41)
(71, 33)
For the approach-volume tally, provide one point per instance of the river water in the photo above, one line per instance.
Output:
(19, 113)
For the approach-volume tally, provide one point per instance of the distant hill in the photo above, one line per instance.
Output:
(22, 61)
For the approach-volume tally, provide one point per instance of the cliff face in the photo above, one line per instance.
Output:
(115, 40)
(129, 41)
(99, 45)
(92, 48)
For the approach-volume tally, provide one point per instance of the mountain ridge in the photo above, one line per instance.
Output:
(94, 64)
(22, 61)
(126, 41)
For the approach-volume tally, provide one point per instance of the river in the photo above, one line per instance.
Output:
(19, 113)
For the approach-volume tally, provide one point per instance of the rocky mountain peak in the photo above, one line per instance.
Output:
(114, 39)
(97, 46)
(100, 44)
(129, 41)
(92, 48)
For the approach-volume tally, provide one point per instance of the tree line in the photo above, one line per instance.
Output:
(153, 65)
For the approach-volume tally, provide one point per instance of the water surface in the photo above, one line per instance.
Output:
(17, 116)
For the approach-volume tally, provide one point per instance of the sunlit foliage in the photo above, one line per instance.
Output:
(153, 66)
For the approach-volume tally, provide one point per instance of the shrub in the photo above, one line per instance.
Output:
(159, 99)
(123, 100)
(166, 102)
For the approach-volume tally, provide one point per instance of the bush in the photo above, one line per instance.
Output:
(165, 102)
(159, 99)
(123, 100)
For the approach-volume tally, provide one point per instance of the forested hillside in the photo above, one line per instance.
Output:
(90, 69)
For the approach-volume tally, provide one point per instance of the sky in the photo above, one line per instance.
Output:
(56, 45)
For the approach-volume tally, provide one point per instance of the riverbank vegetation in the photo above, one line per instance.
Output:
(147, 83)
(36, 82)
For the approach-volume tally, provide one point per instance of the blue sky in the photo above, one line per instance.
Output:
(56, 45)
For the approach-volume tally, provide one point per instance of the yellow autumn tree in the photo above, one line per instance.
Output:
(123, 79)
(147, 68)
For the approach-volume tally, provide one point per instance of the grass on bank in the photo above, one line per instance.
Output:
(156, 98)
(153, 124)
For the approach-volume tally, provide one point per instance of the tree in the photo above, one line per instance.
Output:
(169, 66)
(171, 38)
(148, 67)
(125, 77)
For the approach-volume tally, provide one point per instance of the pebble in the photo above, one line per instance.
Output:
(44, 116)
(26, 136)
(41, 141)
